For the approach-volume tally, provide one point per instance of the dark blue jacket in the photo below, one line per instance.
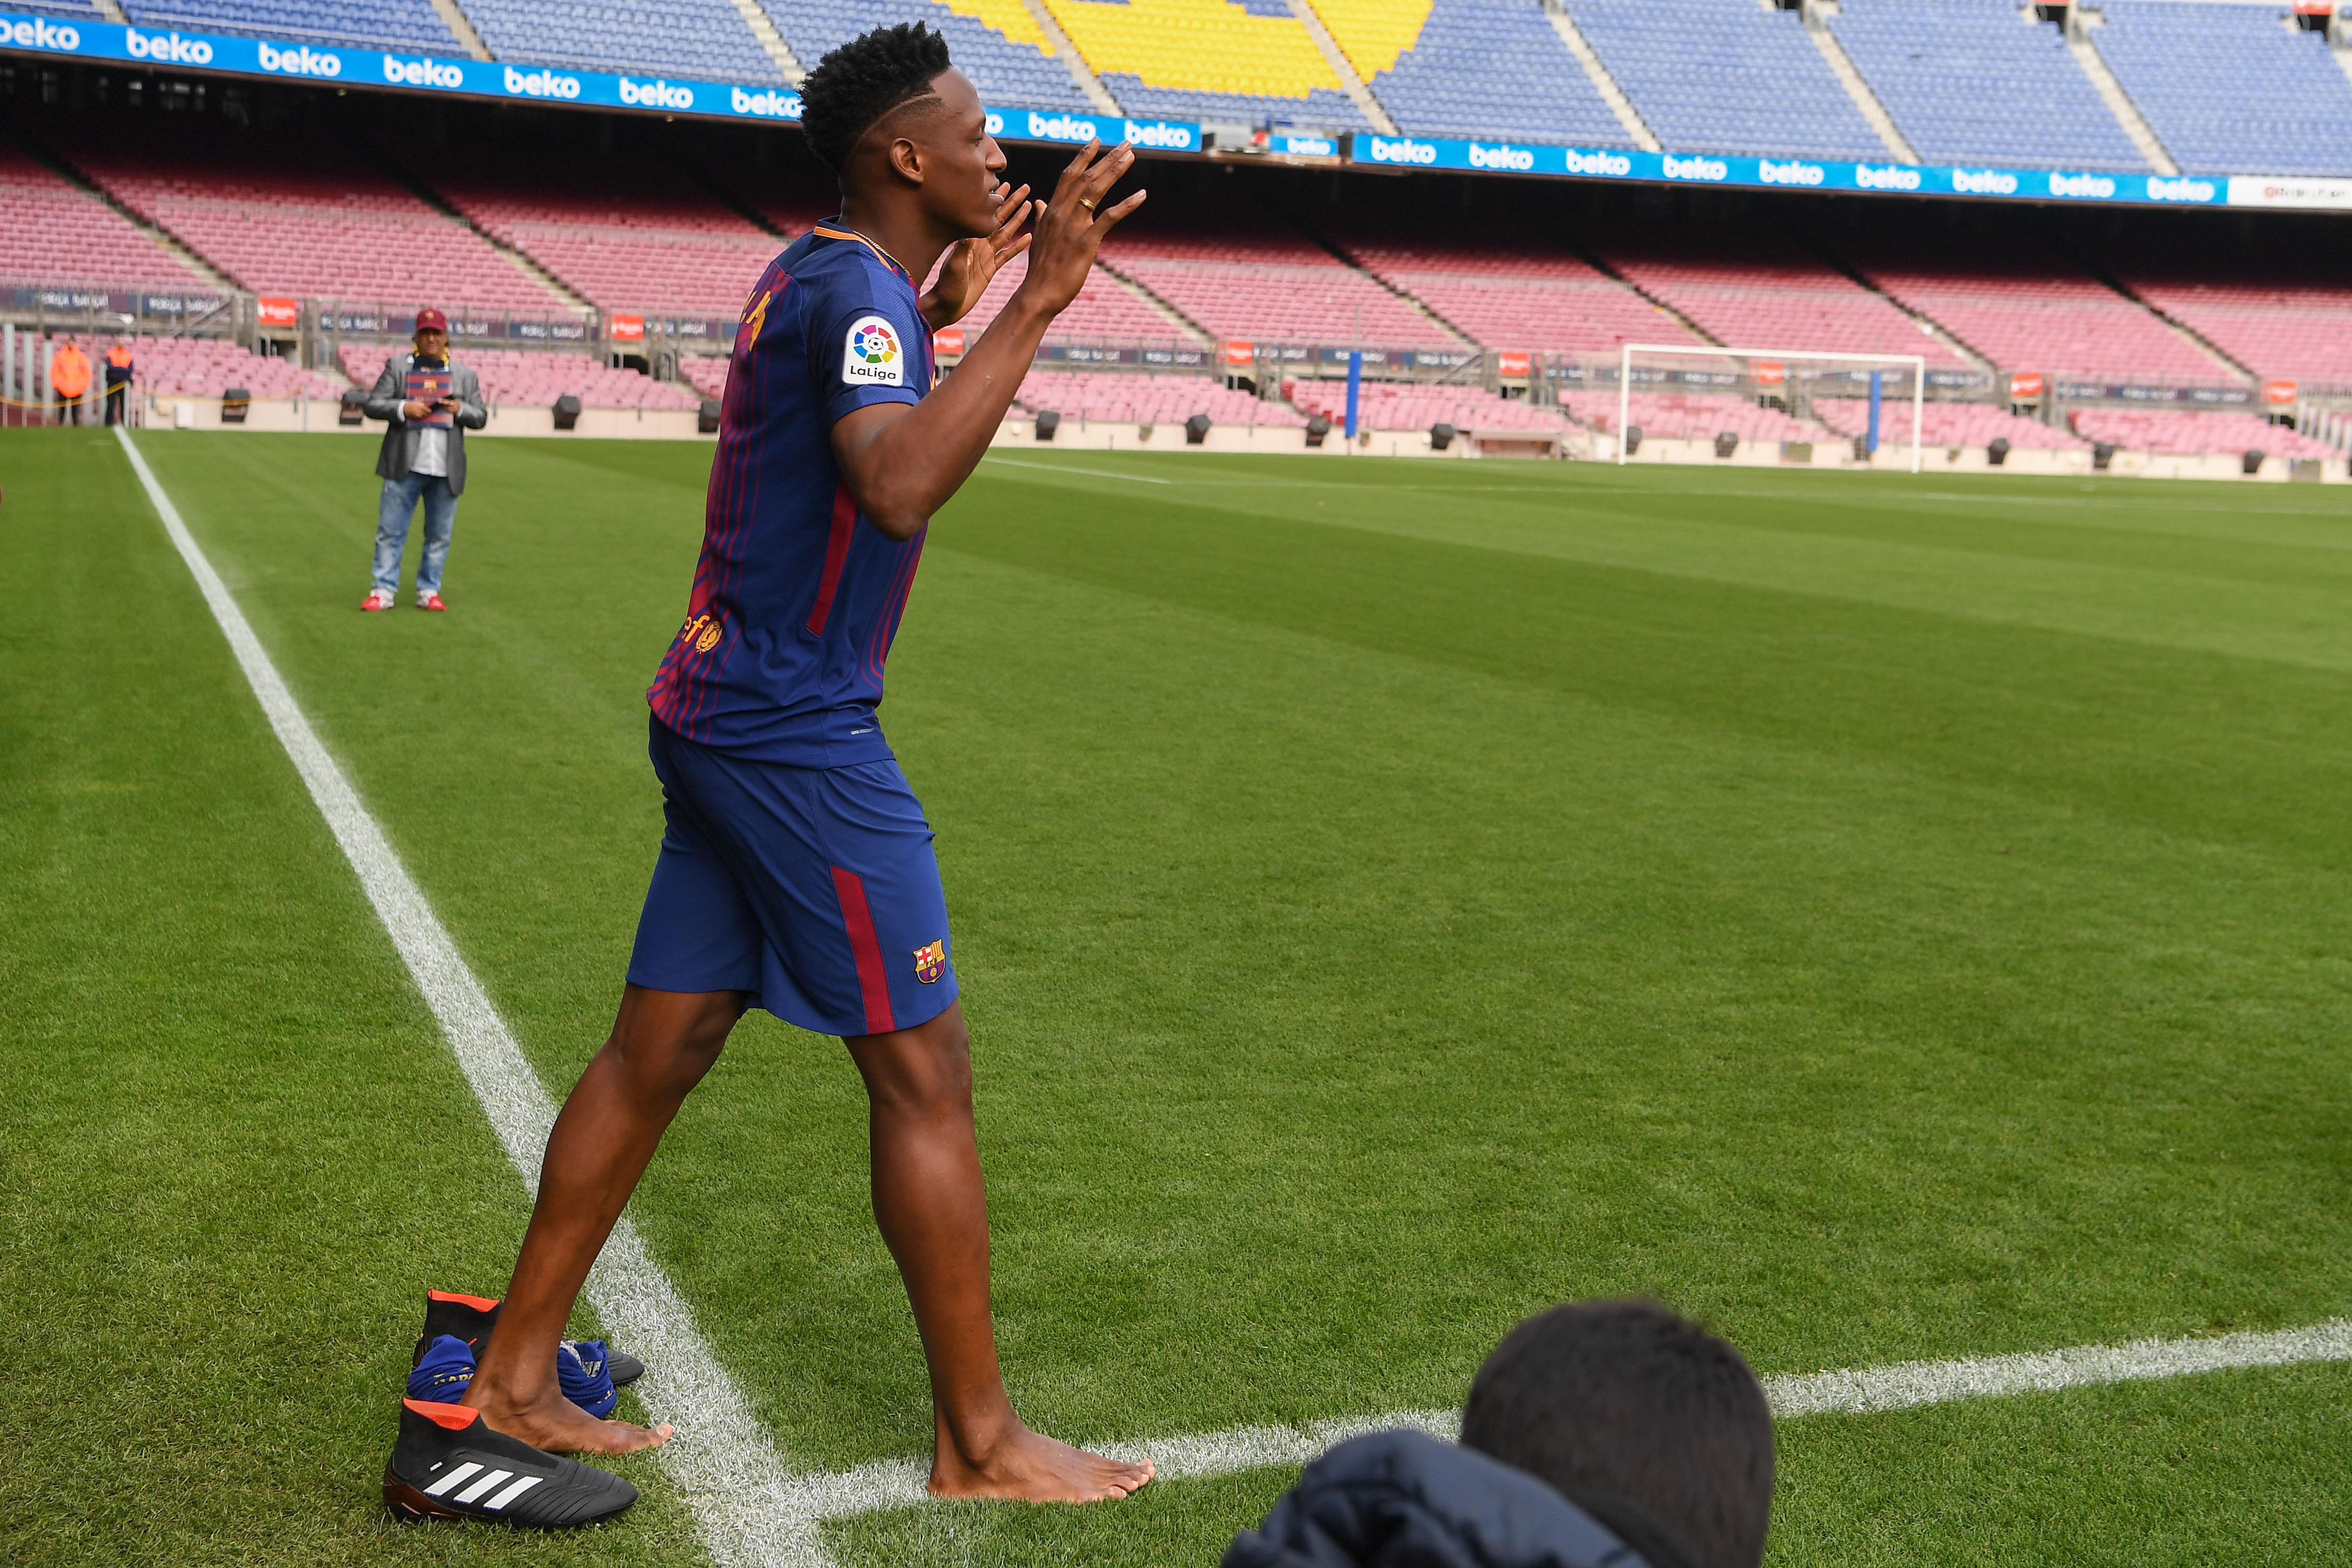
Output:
(1403, 1500)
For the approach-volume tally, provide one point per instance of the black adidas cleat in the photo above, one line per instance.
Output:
(470, 1319)
(449, 1464)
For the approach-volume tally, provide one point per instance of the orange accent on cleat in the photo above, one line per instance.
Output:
(479, 1303)
(455, 1417)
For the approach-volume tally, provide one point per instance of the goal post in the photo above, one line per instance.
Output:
(1799, 374)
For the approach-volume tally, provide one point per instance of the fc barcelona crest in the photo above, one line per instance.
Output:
(930, 962)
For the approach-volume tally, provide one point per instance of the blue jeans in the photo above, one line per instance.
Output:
(399, 504)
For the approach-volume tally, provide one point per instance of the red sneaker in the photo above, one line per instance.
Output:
(377, 599)
(430, 602)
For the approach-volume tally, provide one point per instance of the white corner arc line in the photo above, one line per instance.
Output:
(721, 1458)
(752, 1511)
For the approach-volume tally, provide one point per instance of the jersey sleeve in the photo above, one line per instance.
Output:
(866, 343)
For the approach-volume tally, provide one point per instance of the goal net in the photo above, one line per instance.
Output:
(1758, 397)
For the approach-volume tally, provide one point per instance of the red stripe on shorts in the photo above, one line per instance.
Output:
(871, 979)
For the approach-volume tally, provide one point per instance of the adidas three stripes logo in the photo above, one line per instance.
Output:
(474, 1492)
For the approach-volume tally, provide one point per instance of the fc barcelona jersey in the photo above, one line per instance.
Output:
(796, 597)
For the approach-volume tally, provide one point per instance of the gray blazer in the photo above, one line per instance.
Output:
(400, 441)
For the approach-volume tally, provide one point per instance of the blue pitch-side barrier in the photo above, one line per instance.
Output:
(328, 64)
(233, 55)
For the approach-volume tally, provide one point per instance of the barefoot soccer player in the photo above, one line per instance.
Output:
(796, 871)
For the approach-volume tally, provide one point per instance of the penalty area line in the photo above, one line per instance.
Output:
(750, 1508)
(1067, 468)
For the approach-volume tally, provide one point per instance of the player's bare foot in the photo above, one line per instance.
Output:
(556, 1426)
(1029, 1466)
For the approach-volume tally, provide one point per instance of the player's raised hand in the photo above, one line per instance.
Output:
(1071, 230)
(972, 264)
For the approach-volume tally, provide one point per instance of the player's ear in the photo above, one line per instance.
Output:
(905, 157)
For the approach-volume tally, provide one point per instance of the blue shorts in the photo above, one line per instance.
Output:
(814, 889)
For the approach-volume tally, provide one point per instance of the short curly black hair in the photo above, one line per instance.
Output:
(865, 79)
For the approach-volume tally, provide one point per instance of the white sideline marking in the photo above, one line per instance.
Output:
(1861, 1391)
(752, 1511)
(1066, 468)
(720, 1458)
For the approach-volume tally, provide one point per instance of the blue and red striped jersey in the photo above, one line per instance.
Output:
(796, 599)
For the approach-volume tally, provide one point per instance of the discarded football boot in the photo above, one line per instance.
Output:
(471, 1318)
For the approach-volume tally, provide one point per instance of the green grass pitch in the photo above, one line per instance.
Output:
(1887, 918)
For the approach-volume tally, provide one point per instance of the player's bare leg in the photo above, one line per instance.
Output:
(662, 1045)
(933, 1211)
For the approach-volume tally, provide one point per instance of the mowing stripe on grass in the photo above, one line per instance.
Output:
(1857, 1392)
(720, 1458)
(1067, 468)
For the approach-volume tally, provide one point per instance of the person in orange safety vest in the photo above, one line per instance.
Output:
(68, 378)
(118, 383)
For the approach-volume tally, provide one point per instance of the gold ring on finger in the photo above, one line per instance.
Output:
(1086, 203)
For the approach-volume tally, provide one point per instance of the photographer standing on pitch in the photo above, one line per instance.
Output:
(797, 872)
(431, 403)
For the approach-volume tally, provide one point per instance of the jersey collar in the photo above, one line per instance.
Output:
(833, 229)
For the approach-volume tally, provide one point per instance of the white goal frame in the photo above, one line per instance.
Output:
(1918, 363)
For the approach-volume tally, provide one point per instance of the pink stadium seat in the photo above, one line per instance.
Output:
(1520, 296)
(1393, 406)
(1691, 416)
(2193, 432)
(1130, 399)
(54, 231)
(536, 379)
(1266, 284)
(1941, 424)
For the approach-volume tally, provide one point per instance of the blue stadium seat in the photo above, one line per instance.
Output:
(2232, 88)
(1726, 76)
(1974, 81)
(706, 39)
(376, 24)
(1321, 108)
(1007, 72)
(1493, 68)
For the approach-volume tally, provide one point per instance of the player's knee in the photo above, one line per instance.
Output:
(923, 1071)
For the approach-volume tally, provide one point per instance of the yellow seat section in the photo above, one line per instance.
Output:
(1373, 33)
(1010, 17)
(1197, 46)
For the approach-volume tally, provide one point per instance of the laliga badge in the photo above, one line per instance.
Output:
(873, 355)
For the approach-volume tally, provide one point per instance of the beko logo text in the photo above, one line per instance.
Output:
(1159, 133)
(1984, 182)
(300, 60)
(1598, 163)
(1062, 128)
(1695, 168)
(1890, 177)
(169, 47)
(656, 94)
(421, 73)
(1500, 157)
(2160, 190)
(771, 104)
(1791, 172)
(2081, 185)
(39, 35)
(541, 84)
(1400, 150)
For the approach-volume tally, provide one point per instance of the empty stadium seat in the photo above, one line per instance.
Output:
(1260, 283)
(2231, 88)
(1233, 60)
(298, 217)
(379, 24)
(1519, 294)
(690, 38)
(1113, 397)
(536, 379)
(54, 231)
(2193, 433)
(1107, 312)
(1942, 423)
(1724, 75)
(1687, 415)
(207, 367)
(996, 43)
(1980, 81)
(1404, 405)
(1470, 68)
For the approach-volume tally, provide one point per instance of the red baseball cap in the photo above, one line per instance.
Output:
(429, 320)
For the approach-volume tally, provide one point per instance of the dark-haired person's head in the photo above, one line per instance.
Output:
(1650, 1424)
(890, 114)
